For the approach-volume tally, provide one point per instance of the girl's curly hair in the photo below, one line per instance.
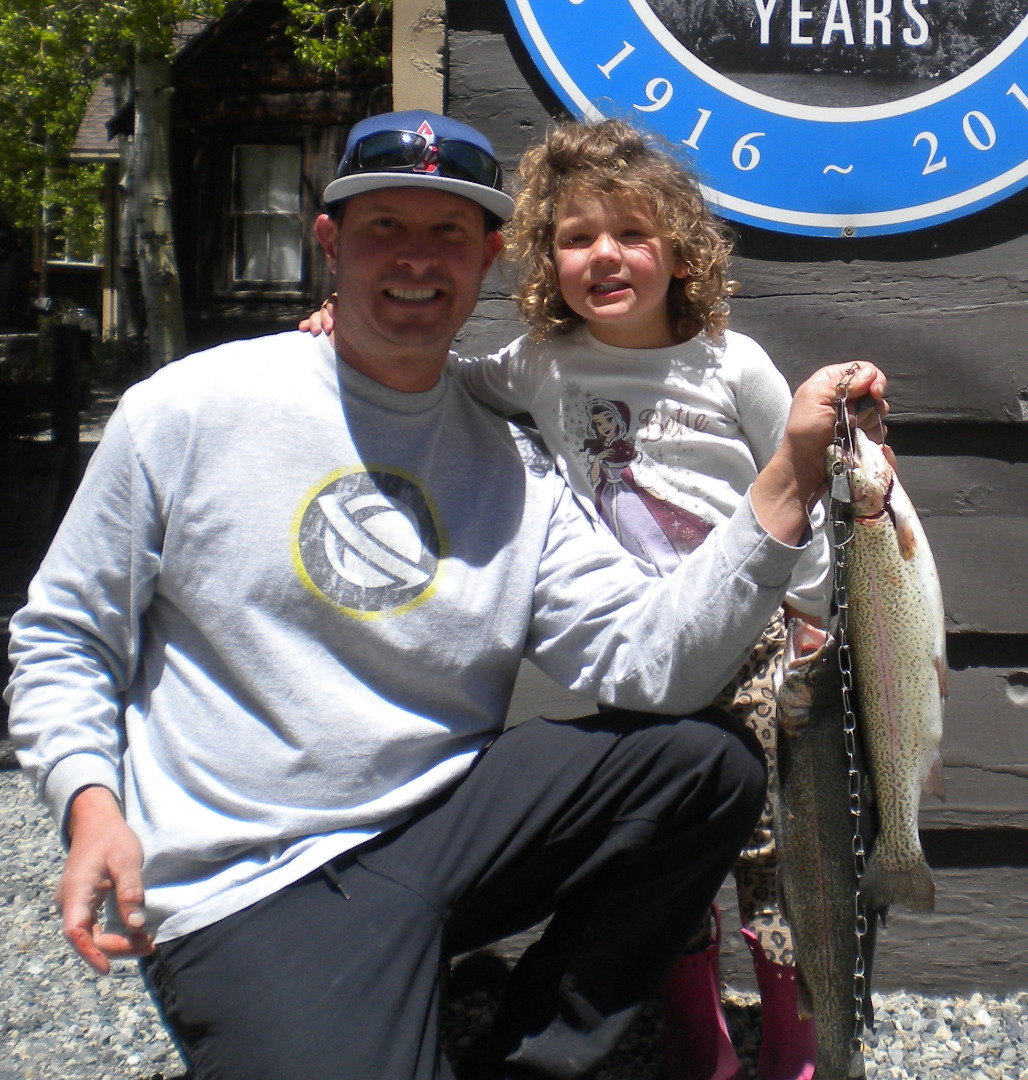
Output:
(611, 157)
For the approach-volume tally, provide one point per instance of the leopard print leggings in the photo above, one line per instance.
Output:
(750, 697)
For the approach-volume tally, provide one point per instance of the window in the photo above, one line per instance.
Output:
(266, 216)
(73, 219)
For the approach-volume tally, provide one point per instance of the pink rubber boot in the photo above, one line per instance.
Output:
(788, 1049)
(697, 1045)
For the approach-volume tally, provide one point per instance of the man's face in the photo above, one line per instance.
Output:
(408, 267)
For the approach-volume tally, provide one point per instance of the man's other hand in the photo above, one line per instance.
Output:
(105, 855)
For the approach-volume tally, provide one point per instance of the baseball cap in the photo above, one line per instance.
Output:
(420, 149)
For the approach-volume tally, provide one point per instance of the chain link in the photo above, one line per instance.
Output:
(842, 533)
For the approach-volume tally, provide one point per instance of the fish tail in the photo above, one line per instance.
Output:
(911, 885)
(856, 1069)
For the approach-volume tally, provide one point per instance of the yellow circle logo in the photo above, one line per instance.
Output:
(367, 541)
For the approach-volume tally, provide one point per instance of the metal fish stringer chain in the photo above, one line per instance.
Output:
(842, 532)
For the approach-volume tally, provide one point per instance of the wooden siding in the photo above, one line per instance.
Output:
(945, 312)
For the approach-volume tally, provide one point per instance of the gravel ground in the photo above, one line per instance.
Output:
(60, 1021)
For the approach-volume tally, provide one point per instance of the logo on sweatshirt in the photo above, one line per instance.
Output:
(814, 117)
(367, 542)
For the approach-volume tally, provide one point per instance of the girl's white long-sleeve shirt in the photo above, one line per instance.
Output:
(665, 442)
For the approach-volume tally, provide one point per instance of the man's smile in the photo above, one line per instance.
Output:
(409, 293)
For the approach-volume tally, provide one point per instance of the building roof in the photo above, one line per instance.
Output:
(93, 141)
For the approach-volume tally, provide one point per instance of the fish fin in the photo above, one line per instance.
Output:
(804, 999)
(867, 788)
(942, 672)
(783, 897)
(906, 538)
(933, 782)
(911, 886)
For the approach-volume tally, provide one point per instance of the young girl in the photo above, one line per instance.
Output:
(660, 417)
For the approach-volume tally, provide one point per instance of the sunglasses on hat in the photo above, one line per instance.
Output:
(408, 151)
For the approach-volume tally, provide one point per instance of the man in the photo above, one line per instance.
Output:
(262, 675)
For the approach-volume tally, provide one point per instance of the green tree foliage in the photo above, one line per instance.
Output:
(336, 36)
(46, 78)
(51, 54)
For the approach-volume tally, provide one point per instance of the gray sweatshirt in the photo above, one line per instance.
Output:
(288, 606)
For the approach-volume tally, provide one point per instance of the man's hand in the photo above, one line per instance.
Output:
(796, 474)
(105, 854)
(322, 320)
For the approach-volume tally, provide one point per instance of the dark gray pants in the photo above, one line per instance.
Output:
(622, 826)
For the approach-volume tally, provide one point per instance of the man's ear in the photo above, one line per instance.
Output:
(493, 247)
(326, 229)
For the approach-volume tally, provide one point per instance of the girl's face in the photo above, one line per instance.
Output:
(614, 268)
(604, 423)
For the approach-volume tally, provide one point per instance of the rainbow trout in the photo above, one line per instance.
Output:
(814, 831)
(897, 636)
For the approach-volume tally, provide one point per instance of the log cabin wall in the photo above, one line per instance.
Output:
(944, 311)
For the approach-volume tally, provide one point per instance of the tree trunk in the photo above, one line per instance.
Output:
(150, 195)
(130, 317)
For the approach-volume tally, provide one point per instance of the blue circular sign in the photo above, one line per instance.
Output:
(797, 167)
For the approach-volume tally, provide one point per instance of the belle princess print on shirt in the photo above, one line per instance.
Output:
(651, 527)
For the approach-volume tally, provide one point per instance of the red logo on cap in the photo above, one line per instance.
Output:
(428, 162)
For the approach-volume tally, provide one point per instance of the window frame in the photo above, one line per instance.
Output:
(237, 216)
